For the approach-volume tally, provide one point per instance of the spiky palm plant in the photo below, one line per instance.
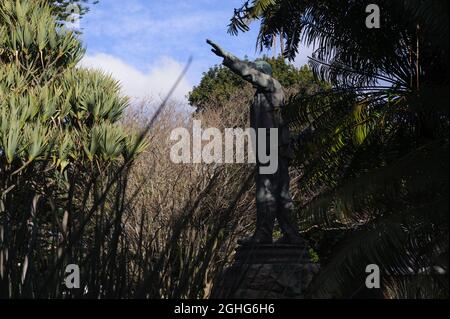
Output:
(373, 154)
(60, 150)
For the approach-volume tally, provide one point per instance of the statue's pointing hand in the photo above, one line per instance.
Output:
(217, 49)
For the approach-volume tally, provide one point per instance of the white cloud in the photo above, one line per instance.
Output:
(156, 82)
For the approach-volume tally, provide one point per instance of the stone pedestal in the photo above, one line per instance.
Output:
(267, 272)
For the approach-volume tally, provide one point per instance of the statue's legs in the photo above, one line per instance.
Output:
(285, 209)
(266, 206)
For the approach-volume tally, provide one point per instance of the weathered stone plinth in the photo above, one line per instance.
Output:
(267, 272)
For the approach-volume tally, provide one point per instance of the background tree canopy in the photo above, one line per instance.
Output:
(64, 8)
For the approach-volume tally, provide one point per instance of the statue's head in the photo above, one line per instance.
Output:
(264, 67)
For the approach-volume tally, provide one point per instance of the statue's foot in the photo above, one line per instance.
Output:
(290, 240)
(255, 240)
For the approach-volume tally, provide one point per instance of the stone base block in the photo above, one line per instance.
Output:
(267, 272)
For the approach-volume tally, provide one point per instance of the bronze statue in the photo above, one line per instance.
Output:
(273, 198)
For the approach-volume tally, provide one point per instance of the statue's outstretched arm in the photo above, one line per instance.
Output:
(242, 68)
(247, 72)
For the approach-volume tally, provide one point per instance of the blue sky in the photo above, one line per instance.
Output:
(146, 43)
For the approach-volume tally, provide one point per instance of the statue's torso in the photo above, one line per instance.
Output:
(265, 112)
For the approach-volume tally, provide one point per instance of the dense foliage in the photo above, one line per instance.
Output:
(374, 150)
(60, 146)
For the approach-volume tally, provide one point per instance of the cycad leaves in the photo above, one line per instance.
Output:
(47, 106)
(33, 36)
(11, 135)
(38, 137)
(374, 146)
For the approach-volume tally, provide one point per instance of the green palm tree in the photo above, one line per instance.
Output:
(373, 151)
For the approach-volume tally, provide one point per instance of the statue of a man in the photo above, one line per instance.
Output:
(273, 198)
